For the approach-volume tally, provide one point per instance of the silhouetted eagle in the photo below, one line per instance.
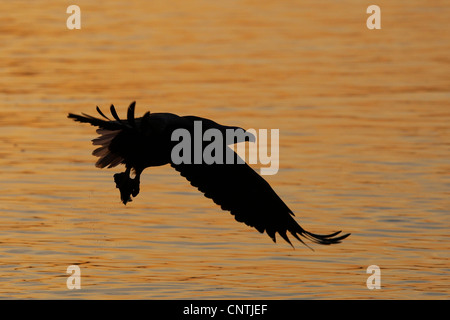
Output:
(147, 142)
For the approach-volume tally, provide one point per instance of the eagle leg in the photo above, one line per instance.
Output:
(135, 182)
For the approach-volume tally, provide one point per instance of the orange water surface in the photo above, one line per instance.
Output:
(364, 120)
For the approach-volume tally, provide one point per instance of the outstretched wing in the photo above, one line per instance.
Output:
(116, 136)
(240, 190)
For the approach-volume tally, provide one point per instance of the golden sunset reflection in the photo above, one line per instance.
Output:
(364, 145)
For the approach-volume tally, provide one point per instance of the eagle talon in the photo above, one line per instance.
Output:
(128, 187)
(122, 181)
(135, 190)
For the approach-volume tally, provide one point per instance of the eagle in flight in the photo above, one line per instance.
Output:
(144, 142)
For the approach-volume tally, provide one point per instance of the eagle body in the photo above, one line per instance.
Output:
(148, 141)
